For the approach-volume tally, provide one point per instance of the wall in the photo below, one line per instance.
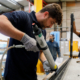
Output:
(68, 8)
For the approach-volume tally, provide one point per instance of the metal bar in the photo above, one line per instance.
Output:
(56, 28)
(61, 27)
(7, 6)
(44, 2)
(19, 4)
(30, 2)
(71, 35)
(63, 31)
(58, 74)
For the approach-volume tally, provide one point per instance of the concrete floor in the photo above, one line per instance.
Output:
(73, 71)
(40, 77)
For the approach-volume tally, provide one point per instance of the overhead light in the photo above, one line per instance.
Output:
(11, 1)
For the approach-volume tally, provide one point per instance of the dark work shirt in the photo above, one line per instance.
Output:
(21, 64)
(54, 49)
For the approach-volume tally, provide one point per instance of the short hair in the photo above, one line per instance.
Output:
(54, 11)
(52, 35)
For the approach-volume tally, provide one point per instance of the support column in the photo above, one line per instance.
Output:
(64, 19)
(38, 4)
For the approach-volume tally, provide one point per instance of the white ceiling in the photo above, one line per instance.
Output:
(59, 0)
(6, 4)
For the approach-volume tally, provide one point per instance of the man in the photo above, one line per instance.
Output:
(53, 47)
(21, 63)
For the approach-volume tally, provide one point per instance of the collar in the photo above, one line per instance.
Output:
(34, 19)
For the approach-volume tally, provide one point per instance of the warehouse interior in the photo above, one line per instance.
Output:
(68, 65)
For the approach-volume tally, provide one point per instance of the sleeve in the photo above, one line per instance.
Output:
(58, 50)
(17, 17)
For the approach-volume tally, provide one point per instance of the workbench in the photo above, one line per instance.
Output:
(68, 70)
(74, 54)
(72, 71)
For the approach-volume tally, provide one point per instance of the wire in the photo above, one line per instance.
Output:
(14, 46)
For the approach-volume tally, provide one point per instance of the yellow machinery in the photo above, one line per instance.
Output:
(75, 46)
(38, 4)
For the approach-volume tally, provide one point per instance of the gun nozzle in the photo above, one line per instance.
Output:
(55, 67)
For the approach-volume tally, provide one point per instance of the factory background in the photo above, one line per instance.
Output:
(62, 32)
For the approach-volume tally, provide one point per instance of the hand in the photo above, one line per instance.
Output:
(29, 43)
(47, 67)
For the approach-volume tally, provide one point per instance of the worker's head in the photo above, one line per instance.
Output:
(52, 37)
(50, 14)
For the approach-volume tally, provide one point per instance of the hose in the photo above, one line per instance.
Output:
(14, 46)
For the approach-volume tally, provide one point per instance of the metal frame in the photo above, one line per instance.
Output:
(30, 2)
(7, 6)
(19, 4)
(11, 8)
(58, 74)
(71, 38)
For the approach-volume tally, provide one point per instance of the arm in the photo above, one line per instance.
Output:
(46, 66)
(58, 51)
(74, 29)
(8, 29)
(8, 22)
(42, 56)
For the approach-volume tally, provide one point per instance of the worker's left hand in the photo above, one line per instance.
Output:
(47, 68)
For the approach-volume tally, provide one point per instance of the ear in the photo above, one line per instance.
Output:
(46, 14)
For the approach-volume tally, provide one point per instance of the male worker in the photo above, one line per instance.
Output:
(21, 63)
(53, 47)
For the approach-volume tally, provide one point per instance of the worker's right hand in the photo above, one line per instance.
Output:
(29, 43)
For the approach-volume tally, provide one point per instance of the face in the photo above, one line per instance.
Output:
(51, 37)
(47, 21)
